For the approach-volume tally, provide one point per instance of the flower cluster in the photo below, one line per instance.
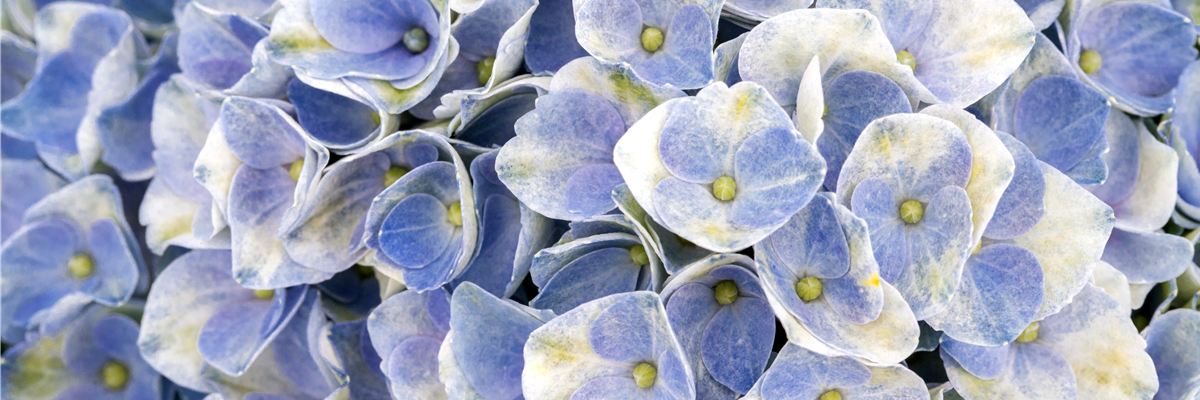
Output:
(599, 199)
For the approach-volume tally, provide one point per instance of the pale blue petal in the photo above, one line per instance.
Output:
(1000, 293)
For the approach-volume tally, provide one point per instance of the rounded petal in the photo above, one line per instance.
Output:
(916, 155)
(776, 172)
(1023, 203)
(1170, 341)
(852, 101)
(1060, 119)
(1000, 293)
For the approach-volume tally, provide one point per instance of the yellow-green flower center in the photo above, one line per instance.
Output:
(1089, 61)
(264, 293)
(831, 395)
(416, 40)
(652, 39)
(455, 214)
(725, 292)
(295, 169)
(912, 211)
(81, 266)
(808, 288)
(484, 69)
(724, 188)
(115, 375)
(906, 58)
(644, 374)
(1029, 334)
(638, 254)
(392, 175)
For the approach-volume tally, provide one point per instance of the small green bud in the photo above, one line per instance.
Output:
(906, 58)
(1029, 334)
(392, 175)
(652, 39)
(912, 211)
(644, 374)
(831, 395)
(295, 169)
(115, 375)
(808, 288)
(1089, 61)
(484, 69)
(264, 293)
(638, 254)
(455, 214)
(726, 292)
(81, 266)
(724, 188)
(416, 40)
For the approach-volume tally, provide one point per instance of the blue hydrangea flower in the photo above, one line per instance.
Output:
(799, 373)
(1131, 51)
(620, 346)
(959, 49)
(178, 210)
(509, 233)
(1089, 350)
(483, 353)
(1170, 341)
(252, 163)
(1185, 139)
(561, 161)
(937, 155)
(666, 43)
(1059, 118)
(597, 257)
(551, 43)
(823, 283)
(291, 367)
(407, 332)
(18, 66)
(1037, 251)
(95, 357)
(66, 255)
(723, 169)
(25, 182)
(189, 328)
(339, 123)
(357, 362)
(56, 110)
(1143, 173)
(492, 50)
(424, 225)
(719, 313)
(390, 60)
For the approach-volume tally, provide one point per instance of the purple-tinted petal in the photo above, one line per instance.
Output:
(1124, 159)
(1023, 203)
(737, 342)
(215, 47)
(489, 340)
(116, 268)
(367, 26)
(937, 249)
(597, 274)
(589, 188)
(776, 172)
(985, 362)
(1060, 119)
(852, 101)
(935, 153)
(1171, 342)
(331, 119)
(1029, 369)
(259, 134)
(689, 310)
(623, 333)
(685, 59)
(812, 243)
(416, 231)
(412, 368)
(257, 201)
(124, 128)
(551, 43)
(24, 183)
(874, 202)
(1144, 52)
(1147, 257)
(1000, 293)
(800, 374)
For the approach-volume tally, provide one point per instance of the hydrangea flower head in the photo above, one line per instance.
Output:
(407, 332)
(723, 169)
(666, 43)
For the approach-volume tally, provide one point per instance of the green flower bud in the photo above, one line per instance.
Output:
(725, 292)
(831, 395)
(264, 293)
(912, 211)
(644, 374)
(1089, 61)
(295, 169)
(906, 58)
(652, 39)
(484, 69)
(455, 214)
(81, 266)
(392, 175)
(808, 288)
(416, 40)
(115, 375)
(1029, 334)
(724, 188)
(638, 254)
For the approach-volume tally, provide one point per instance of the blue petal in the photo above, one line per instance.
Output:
(589, 188)
(1060, 119)
(29, 261)
(1147, 257)
(937, 248)
(359, 360)
(611, 30)
(367, 26)
(1023, 203)
(1170, 341)
(1032, 369)
(489, 340)
(902, 21)
(1143, 47)
(800, 373)
(770, 192)
(934, 150)
(499, 234)
(215, 47)
(736, 344)
(1124, 159)
(259, 134)
(257, 200)
(496, 125)
(116, 267)
(179, 127)
(853, 100)
(999, 295)
(412, 368)
(330, 119)
(124, 128)
(551, 43)
(229, 340)
(326, 232)
(568, 130)
(416, 231)
(18, 65)
(594, 275)
(689, 309)
(812, 242)
(985, 362)
(612, 387)
(24, 183)
(622, 333)
(874, 202)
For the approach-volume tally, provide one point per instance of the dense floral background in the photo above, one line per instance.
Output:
(600, 199)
